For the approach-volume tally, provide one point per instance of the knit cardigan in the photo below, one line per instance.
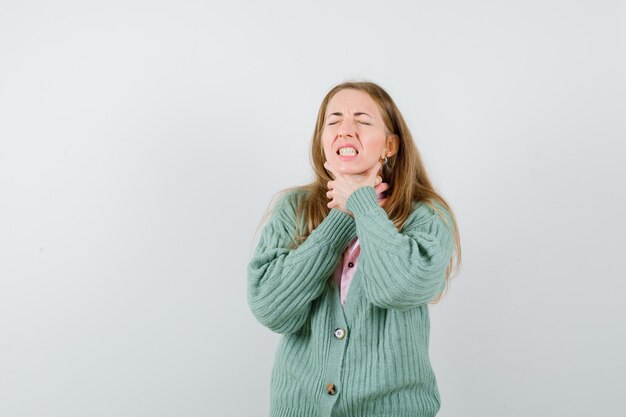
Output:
(369, 357)
(344, 273)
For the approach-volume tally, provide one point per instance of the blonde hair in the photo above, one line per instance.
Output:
(404, 172)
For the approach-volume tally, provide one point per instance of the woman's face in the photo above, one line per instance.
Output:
(352, 120)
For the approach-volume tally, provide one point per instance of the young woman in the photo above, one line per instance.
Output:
(346, 267)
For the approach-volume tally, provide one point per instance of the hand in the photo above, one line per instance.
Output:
(344, 185)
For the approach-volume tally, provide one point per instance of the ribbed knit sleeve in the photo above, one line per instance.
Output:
(400, 270)
(283, 282)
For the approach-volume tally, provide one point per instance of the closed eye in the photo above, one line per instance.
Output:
(365, 123)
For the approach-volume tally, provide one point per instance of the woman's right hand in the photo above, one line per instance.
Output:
(381, 187)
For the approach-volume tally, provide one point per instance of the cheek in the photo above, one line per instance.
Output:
(375, 145)
(327, 145)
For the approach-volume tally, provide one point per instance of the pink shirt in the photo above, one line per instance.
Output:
(345, 269)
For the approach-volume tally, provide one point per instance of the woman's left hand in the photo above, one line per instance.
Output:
(345, 184)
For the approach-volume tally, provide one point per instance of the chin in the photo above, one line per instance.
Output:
(350, 168)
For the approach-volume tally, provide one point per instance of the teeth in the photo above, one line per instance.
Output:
(347, 151)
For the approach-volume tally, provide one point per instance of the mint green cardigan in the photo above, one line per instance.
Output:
(369, 357)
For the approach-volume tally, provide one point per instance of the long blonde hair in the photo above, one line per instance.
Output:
(404, 172)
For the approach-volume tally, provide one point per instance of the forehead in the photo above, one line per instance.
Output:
(351, 100)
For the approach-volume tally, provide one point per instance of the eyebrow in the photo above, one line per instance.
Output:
(359, 113)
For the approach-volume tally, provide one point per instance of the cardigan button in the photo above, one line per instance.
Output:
(350, 264)
(340, 333)
(331, 389)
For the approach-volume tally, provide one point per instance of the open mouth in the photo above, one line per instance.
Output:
(347, 152)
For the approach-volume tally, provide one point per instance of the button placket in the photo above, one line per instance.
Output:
(332, 381)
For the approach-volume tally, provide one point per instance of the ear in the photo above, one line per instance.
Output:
(393, 143)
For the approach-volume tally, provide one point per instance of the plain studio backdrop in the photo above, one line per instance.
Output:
(142, 141)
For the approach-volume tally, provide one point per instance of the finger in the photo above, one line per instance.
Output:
(383, 186)
(379, 179)
(330, 185)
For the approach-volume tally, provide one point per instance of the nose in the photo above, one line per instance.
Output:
(346, 128)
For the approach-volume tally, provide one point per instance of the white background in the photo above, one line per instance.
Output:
(141, 142)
